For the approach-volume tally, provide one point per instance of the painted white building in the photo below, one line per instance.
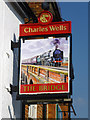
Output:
(9, 30)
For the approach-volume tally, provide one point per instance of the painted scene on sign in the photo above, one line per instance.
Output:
(45, 66)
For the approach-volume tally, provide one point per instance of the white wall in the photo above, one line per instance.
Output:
(9, 30)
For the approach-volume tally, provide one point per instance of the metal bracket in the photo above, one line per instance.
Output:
(14, 45)
(73, 110)
(48, 101)
(13, 89)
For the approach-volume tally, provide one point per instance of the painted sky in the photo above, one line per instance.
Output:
(77, 12)
(33, 48)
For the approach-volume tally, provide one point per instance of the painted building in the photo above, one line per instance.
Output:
(10, 19)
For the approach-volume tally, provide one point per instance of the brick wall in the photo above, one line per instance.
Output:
(36, 8)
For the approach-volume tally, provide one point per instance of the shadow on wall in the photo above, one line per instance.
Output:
(16, 104)
(9, 112)
(13, 7)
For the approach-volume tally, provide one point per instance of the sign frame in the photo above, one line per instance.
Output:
(53, 96)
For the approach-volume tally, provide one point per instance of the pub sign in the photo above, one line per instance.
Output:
(45, 62)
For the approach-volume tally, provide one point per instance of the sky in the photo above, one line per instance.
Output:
(77, 13)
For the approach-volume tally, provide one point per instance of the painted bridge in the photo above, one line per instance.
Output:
(43, 74)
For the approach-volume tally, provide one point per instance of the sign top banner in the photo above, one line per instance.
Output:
(36, 29)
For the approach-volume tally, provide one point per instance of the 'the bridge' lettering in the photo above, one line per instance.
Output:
(36, 88)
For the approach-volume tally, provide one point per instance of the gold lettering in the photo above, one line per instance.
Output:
(57, 28)
(37, 29)
(58, 87)
(62, 27)
(34, 88)
(24, 88)
(28, 88)
(48, 87)
(32, 30)
(65, 27)
(31, 88)
(52, 87)
(40, 88)
(46, 29)
(63, 87)
(26, 30)
(42, 29)
(52, 28)
(29, 29)
(45, 88)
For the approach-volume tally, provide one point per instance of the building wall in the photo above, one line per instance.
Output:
(39, 111)
(51, 111)
(9, 30)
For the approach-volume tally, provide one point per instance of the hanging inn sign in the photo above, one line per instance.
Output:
(44, 63)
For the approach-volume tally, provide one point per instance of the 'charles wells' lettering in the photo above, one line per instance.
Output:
(57, 28)
(45, 29)
(38, 29)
